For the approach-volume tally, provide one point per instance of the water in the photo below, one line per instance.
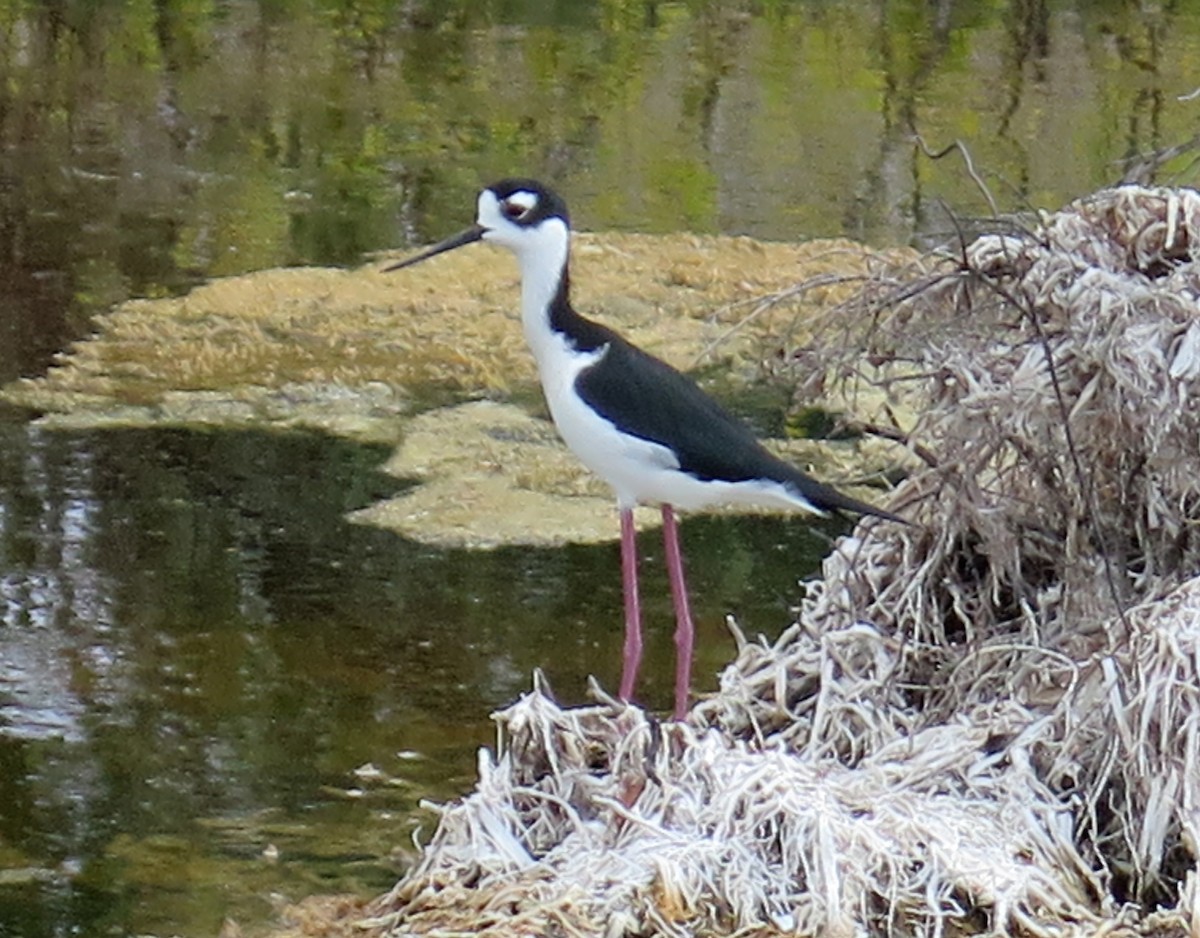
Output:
(148, 146)
(197, 651)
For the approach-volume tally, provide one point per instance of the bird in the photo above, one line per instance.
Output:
(646, 429)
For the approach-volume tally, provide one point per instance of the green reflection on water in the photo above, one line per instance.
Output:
(212, 649)
(198, 652)
(146, 146)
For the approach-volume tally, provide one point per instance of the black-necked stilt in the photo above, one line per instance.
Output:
(635, 421)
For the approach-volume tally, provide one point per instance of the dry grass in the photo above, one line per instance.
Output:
(987, 722)
(450, 326)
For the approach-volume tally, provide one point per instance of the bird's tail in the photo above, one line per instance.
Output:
(827, 498)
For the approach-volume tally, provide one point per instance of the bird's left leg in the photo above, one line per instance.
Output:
(684, 630)
(632, 657)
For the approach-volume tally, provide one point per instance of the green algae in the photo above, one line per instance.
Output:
(362, 353)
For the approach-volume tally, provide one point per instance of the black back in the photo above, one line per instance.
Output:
(647, 398)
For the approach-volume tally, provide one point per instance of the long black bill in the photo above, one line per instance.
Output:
(472, 234)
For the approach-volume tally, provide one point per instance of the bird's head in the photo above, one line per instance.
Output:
(523, 215)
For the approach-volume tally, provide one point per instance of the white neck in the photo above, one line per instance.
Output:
(542, 251)
(543, 258)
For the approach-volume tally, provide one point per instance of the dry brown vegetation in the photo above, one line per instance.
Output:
(363, 354)
(987, 721)
(451, 325)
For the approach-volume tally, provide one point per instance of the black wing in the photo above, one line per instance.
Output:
(646, 397)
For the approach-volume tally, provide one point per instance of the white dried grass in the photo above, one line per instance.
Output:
(987, 722)
(688, 832)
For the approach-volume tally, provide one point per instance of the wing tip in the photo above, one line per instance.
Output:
(826, 500)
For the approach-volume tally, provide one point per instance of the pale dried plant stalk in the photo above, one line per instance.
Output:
(988, 721)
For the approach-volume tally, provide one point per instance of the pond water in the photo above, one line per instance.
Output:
(197, 649)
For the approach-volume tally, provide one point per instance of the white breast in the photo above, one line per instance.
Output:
(639, 471)
(625, 462)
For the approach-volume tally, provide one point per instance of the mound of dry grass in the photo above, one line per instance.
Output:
(988, 721)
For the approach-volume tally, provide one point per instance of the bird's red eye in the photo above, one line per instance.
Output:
(512, 209)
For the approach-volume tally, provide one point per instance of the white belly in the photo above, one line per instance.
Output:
(639, 471)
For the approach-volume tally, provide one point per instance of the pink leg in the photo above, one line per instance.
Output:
(684, 630)
(633, 612)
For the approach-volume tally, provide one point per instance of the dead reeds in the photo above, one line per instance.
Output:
(986, 722)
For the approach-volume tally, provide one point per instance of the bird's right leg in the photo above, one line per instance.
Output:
(685, 631)
(633, 613)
